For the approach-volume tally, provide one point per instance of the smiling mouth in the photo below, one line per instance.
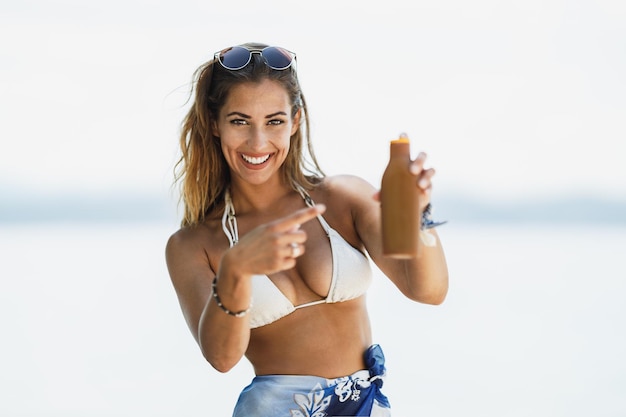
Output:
(255, 160)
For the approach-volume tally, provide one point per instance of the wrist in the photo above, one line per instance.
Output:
(427, 218)
(218, 301)
(234, 293)
(230, 270)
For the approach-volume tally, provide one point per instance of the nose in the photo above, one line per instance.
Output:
(258, 138)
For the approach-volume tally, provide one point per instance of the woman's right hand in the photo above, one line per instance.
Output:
(271, 247)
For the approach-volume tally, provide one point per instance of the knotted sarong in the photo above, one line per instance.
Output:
(358, 394)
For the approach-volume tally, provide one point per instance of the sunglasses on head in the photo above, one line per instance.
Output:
(237, 57)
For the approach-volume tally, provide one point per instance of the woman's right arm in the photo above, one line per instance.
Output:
(223, 338)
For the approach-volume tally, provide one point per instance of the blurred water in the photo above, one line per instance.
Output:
(533, 325)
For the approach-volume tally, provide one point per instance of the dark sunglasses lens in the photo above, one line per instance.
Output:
(235, 58)
(277, 58)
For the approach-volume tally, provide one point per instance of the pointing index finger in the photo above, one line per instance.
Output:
(293, 221)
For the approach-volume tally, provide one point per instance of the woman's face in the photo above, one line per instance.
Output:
(254, 127)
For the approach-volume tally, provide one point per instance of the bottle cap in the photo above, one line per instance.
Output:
(403, 138)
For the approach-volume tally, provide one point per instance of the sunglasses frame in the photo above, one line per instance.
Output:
(218, 57)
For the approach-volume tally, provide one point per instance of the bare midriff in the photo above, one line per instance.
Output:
(326, 340)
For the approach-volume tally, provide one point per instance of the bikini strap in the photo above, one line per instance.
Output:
(307, 198)
(229, 221)
(309, 202)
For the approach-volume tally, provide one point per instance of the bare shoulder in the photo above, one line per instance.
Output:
(184, 239)
(347, 198)
(192, 245)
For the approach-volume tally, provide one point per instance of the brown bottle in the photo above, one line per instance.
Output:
(399, 203)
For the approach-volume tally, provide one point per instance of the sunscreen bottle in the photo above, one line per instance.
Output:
(401, 219)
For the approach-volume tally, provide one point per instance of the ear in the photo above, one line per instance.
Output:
(214, 129)
(296, 122)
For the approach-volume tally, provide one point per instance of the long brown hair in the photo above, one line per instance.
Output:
(202, 171)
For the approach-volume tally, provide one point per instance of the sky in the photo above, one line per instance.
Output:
(510, 100)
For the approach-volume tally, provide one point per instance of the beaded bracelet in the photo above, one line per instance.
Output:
(224, 309)
(427, 218)
(427, 224)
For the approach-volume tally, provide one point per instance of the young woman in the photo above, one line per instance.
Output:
(271, 260)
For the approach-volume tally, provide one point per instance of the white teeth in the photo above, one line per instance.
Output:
(255, 160)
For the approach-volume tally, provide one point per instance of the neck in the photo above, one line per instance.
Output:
(258, 198)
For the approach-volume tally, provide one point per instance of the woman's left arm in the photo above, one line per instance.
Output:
(423, 278)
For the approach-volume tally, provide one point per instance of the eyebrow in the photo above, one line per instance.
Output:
(245, 116)
(278, 113)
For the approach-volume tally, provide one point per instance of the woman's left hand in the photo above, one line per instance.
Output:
(423, 178)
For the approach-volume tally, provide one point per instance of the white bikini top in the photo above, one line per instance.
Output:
(351, 276)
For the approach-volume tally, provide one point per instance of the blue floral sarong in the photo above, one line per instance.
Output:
(311, 396)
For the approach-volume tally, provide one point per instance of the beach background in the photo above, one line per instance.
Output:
(520, 107)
